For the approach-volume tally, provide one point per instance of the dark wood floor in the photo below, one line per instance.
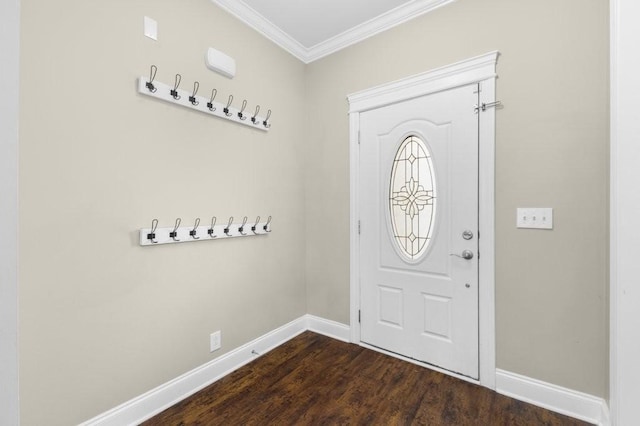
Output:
(315, 380)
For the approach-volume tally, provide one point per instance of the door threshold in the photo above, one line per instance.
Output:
(422, 364)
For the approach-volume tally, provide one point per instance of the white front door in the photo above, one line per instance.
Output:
(418, 204)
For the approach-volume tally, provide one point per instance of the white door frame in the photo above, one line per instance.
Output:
(624, 348)
(482, 70)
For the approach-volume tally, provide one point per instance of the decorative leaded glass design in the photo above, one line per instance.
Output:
(412, 198)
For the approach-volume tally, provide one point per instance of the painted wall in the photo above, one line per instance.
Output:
(9, 70)
(103, 320)
(552, 151)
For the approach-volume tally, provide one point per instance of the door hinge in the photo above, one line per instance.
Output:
(358, 227)
(359, 318)
(358, 137)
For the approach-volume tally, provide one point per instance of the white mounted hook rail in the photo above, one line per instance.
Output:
(188, 234)
(208, 105)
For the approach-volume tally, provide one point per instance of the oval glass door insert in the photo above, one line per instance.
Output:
(412, 198)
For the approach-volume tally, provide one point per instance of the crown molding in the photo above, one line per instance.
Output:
(386, 21)
(265, 27)
(381, 23)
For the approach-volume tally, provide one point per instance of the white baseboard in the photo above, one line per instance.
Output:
(565, 401)
(335, 330)
(605, 416)
(555, 398)
(164, 396)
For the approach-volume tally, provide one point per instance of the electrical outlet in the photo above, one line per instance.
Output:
(535, 218)
(215, 341)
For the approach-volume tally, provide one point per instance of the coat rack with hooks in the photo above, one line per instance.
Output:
(195, 232)
(208, 105)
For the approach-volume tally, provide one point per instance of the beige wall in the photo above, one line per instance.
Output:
(102, 319)
(552, 151)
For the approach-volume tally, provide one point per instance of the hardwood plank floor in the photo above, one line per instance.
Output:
(316, 380)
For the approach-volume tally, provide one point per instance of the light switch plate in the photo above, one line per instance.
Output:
(535, 217)
(150, 28)
(215, 341)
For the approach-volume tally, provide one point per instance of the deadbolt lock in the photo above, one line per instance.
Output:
(467, 235)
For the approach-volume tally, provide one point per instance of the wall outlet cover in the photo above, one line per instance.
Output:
(215, 341)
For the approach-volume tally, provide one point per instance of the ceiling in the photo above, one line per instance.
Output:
(312, 29)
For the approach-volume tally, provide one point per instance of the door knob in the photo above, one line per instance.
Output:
(466, 254)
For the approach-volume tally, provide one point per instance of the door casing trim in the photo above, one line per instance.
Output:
(481, 70)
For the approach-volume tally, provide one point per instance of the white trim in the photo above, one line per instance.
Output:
(384, 22)
(374, 26)
(143, 407)
(624, 345)
(486, 241)
(555, 398)
(354, 236)
(9, 118)
(613, 214)
(605, 415)
(461, 73)
(164, 396)
(253, 19)
(482, 70)
(328, 328)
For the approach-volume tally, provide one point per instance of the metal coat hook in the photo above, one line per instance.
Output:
(156, 236)
(228, 228)
(226, 109)
(152, 76)
(254, 119)
(241, 229)
(192, 98)
(265, 123)
(241, 113)
(484, 106)
(255, 225)
(174, 92)
(210, 230)
(214, 92)
(236, 110)
(174, 234)
(152, 235)
(193, 233)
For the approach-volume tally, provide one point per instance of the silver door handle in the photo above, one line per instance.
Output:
(466, 254)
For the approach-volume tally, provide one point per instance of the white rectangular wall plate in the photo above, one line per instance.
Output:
(220, 62)
(535, 217)
(150, 28)
(215, 341)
